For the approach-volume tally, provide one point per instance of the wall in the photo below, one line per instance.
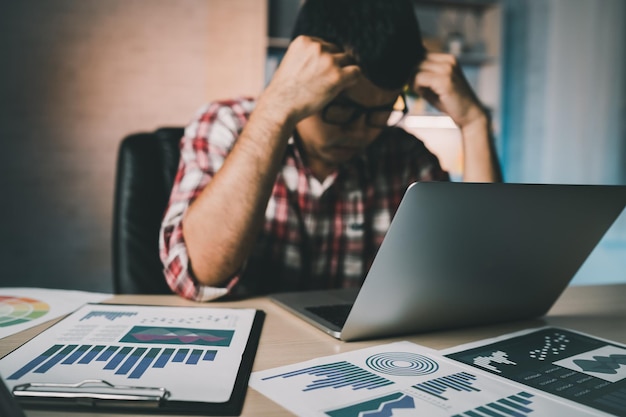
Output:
(564, 105)
(77, 76)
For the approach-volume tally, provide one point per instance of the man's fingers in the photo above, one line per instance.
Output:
(441, 57)
(326, 46)
(427, 79)
(344, 59)
(436, 67)
(351, 72)
(429, 95)
(348, 76)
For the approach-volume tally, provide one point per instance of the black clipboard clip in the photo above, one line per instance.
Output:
(91, 392)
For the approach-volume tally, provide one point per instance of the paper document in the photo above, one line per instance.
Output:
(192, 352)
(400, 379)
(22, 308)
(567, 364)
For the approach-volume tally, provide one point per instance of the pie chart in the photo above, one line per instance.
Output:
(18, 310)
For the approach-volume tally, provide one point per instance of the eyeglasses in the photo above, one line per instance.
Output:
(345, 111)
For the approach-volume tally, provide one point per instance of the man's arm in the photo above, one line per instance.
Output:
(439, 80)
(221, 225)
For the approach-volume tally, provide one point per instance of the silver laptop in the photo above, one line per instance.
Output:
(460, 254)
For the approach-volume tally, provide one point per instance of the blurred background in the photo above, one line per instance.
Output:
(78, 76)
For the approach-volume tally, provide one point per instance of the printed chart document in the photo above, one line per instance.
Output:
(401, 379)
(182, 355)
(566, 364)
(22, 308)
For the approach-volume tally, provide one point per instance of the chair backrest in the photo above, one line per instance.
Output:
(146, 167)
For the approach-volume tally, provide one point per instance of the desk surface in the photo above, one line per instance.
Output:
(597, 310)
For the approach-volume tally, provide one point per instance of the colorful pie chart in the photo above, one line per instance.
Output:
(18, 310)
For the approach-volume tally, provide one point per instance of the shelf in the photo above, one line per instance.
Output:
(468, 58)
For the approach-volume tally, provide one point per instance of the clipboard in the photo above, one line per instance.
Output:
(8, 405)
(102, 395)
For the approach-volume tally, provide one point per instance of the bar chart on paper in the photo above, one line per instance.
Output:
(193, 354)
(446, 395)
(402, 379)
(518, 405)
(130, 361)
(109, 315)
(460, 382)
(337, 375)
(573, 366)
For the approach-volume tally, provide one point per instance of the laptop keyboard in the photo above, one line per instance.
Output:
(336, 314)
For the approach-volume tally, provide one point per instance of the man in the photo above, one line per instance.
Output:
(297, 189)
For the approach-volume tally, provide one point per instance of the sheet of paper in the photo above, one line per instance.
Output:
(399, 379)
(571, 365)
(193, 352)
(21, 308)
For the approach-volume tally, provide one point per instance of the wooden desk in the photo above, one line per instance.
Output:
(597, 310)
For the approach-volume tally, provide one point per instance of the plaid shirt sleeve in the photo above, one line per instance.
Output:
(208, 139)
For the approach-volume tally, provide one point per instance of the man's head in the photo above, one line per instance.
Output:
(382, 35)
(384, 39)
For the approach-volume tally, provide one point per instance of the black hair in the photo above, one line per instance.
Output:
(383, 35)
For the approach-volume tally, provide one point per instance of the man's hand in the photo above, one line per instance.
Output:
(441, 82)
(310, 75)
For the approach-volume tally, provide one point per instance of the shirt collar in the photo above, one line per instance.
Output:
(360, 162)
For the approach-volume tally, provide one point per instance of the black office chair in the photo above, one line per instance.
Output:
(146, 167)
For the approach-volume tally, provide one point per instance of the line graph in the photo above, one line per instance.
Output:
(178, 336)
(379, 407)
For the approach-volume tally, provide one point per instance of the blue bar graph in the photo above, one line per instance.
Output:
(109, 315)
(107, 354)
(118, 358)
(194, 357)
(511, 406)
(164, 358)
(180, 355)
(123, 360)
(461, 382)
(76, 355)
(338, 375)
(55, 359)
(36, 362)
(91, 354)
(132, 359)
(144, 364)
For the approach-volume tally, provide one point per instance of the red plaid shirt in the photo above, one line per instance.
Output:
(316, 235)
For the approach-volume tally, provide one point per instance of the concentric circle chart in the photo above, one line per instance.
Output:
(402, 364)
(18, 310)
